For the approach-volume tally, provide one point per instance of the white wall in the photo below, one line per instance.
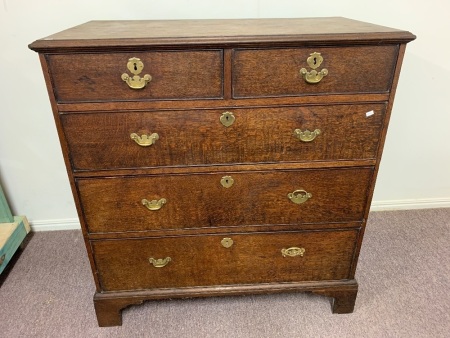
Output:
(416, 163)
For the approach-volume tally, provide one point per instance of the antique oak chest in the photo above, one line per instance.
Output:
(222, 157)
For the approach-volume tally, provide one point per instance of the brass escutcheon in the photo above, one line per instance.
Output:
(299, 196)
(227, 119)
(292, 252)
(306, 136)
(314, 61)
(135, 66)
(227, 242)
(160, 262)
(154, 205)
(227, 181)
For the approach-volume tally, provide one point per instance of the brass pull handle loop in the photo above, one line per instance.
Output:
(154, 205)
(135, 66)
(306, 136)
(314, 61)
(160, 262)
(292, 252)
(145, 140)
(299, 196)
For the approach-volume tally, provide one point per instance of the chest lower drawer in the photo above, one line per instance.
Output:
(201, 201)
(174, 75)
(278, 72)
(338, 132)
(199, 261)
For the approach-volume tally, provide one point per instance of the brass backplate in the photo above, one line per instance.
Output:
(292, 252)
(135, 66)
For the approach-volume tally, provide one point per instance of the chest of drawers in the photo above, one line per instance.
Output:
(222, 157)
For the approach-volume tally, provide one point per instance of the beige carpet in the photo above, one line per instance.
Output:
(403, 274)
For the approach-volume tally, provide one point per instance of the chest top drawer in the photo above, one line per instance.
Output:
(291, 72)
(164, 75)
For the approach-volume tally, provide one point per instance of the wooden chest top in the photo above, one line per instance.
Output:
(121, 35)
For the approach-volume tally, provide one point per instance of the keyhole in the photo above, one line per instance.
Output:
(227, 117)
(226, 181)
(135, 65)
(315, 60)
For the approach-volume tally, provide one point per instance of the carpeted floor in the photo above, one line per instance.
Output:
(403, 275)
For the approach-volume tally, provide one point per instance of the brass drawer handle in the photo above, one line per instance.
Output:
(227, 119)
(299, 196)
(292, 252)
(306, 136)
(154, 204)
(160, 262)
(314, 76)
(135, 66)
(145, 140)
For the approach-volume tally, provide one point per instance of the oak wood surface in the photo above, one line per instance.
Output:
(199, 200)
(175, 75)
(195, 137)
(122, 35)
(200, 104)
(202, 261)
(108, 305)
(350, 70)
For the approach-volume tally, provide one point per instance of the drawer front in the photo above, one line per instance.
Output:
(103, 140)
(203, 201)
(277, 72)
(174, 75)
(203, 261)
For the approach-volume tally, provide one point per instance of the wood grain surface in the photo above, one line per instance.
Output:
(140, 34)
(276, 72)
(201, 261)
(175, 75)
(199, 200)
(197, 137)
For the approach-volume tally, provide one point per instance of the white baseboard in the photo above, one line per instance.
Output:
(429, 203)
(55, 224)
(74, 224)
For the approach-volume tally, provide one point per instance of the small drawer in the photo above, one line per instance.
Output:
(134, 264)
(258, 135)
(278, 72)
(173, 75)
(227, 199)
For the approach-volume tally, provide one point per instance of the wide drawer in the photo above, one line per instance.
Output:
(174, 75)
(203, 260)
(277, 72)
(119, 204)
(103, 140)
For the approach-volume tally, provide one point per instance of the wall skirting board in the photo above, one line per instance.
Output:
(428, 203)
(55, 224)
(73, 223)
